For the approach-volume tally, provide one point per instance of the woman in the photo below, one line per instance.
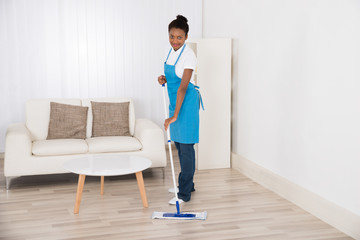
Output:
(184, 104)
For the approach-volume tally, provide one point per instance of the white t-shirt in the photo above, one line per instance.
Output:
(187, 60)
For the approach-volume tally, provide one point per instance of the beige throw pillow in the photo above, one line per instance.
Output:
(110, 119)
(67, 121)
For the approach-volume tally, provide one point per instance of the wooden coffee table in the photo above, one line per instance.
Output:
(108, 165)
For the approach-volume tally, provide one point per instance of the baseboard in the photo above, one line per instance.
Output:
(336, 216)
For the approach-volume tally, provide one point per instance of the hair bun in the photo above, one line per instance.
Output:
(182, 18)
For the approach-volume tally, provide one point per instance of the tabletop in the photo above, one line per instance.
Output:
(107, 165)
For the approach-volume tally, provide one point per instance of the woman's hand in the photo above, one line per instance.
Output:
(162, 79)
(168, 122)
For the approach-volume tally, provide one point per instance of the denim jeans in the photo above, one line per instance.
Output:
(186, 176)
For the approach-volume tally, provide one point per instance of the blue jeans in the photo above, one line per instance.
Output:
(186, 176)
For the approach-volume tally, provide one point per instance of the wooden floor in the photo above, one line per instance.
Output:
(41, 208)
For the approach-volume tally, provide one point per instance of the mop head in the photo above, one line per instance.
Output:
(181, 216)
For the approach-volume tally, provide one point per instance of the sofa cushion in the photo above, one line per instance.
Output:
(37, 112)
(67, 121)
(110, 119)
(87, 103)
(59, 147)
(113, 144)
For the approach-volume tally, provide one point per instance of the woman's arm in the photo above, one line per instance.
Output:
(180, 96)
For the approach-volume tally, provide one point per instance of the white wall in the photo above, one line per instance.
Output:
(86, 48)
(296, 84)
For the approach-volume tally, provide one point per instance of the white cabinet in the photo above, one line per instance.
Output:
(213, 76)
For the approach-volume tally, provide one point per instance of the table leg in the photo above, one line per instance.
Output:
(80, 188)
(140, 181)
(102, 185)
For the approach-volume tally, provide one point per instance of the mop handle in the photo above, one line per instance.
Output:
(165, 111)
(170, 152)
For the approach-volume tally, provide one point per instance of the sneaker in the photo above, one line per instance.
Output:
(173, 201)
(171, 190)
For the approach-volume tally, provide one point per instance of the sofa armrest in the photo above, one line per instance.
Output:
(151, 137)
(18, 144)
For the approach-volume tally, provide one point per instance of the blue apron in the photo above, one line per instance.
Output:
(186, 128)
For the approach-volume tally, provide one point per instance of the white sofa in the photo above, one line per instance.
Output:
(27, 152)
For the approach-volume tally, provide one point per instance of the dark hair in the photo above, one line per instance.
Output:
(181, 23)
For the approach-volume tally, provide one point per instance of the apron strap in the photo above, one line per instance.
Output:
(200, 98)
(168, 55)
(180, 54)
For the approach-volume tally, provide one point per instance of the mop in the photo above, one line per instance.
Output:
(178, 214)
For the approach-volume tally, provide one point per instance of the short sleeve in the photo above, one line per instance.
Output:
(190, 61)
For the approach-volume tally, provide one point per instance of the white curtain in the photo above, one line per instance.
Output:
(86, 48)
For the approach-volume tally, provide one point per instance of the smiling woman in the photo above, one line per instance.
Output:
(184, 104)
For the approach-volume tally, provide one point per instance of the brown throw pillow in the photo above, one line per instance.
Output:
(67, 121)
(110, 119)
